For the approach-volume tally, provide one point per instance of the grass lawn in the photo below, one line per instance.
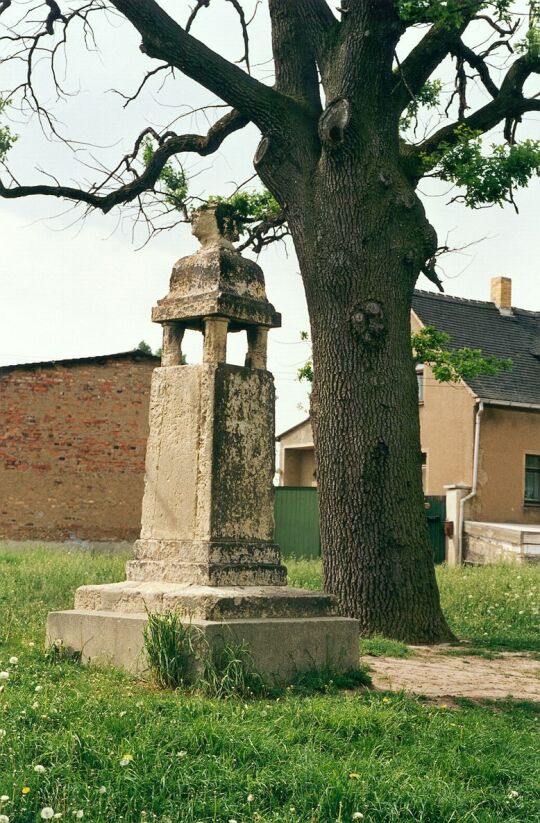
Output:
(318, 758)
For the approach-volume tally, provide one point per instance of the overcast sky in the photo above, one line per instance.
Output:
(71, 288)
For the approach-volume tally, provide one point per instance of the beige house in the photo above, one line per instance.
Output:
(480, 438)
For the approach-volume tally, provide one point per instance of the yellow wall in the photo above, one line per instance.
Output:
(507, 435)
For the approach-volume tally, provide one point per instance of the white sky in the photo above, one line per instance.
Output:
(75, 289)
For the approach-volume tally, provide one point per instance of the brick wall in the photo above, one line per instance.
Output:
(72, 446)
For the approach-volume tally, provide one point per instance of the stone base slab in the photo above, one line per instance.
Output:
(279, 647)
(205, 602)
(209, 574)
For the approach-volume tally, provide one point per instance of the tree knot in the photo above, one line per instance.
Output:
(369, 323)
(333, 122)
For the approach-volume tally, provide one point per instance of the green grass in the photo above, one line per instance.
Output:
(379, 646)
(303, 759)
(495, 607)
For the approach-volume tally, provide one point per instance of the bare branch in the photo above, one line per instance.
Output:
(164, 39)
(509, 103)
(169, 146)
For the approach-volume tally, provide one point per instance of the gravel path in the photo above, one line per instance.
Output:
(432, 673)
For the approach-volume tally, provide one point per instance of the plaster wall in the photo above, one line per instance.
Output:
(507, 435)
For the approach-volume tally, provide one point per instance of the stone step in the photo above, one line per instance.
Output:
(205, 602)
(210, 574)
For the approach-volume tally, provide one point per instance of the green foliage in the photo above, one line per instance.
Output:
(487, 179)
(449, 13)
(7, 138)
(329, 681)
(429, 96)
(531, 43)
(379, 646)
(228, 672)
(172, 176)
(431, 346)
(172, 646)
(450, 365)
(244, 207)
(144, 347)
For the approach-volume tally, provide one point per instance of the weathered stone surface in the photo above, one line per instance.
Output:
(205, 602)
(206, 547)
(278, 647)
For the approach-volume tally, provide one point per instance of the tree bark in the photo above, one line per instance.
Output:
(359, 256)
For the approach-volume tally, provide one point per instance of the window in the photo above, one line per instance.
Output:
(532, 478)
(420, 381)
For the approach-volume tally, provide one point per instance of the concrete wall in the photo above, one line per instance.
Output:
(72, 445)
(507, 435)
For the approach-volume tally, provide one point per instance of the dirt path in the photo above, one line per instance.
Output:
(434, 674)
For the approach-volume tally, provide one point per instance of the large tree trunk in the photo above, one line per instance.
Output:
(360, 251)
(361, 237)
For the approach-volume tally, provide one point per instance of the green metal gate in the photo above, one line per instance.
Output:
(436, 515)
(297, 521)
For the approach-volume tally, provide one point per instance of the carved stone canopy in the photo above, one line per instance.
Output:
(216, 281)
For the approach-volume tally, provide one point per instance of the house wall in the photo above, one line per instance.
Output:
(446, 433)
(507, 435)
(297, 457)
(72, 447)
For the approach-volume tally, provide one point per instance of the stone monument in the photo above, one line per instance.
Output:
(206, 547)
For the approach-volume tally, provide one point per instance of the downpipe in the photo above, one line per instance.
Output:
(472, 493)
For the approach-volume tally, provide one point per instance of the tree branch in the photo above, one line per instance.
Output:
(294, 55)
(509, 103)
(417, 68)
(171, 145)
(163, 38)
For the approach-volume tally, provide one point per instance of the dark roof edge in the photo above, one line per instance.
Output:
(513, 404)
(470, 302)
(293, 428)
(98, 359)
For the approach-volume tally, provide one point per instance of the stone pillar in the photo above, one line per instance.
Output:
(454, 494)
(215, 339)
(206, 548)
(171, 350)
(257, 338)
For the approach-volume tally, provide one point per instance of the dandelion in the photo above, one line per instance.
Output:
(4, 798)
(358, 816)
(38, 688)
(39, 768)
(232, 820)
(13, 661)
(47, 813)
(181, 753)
(354, 776)
(250, 798)
(126, 759)
(57, 815)
(443, 706)
(102, 790)
(513, 795)
(79, 814)
(35, 705)
(4, 675)
(4, 818)
(26, 790)
(386, 700)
